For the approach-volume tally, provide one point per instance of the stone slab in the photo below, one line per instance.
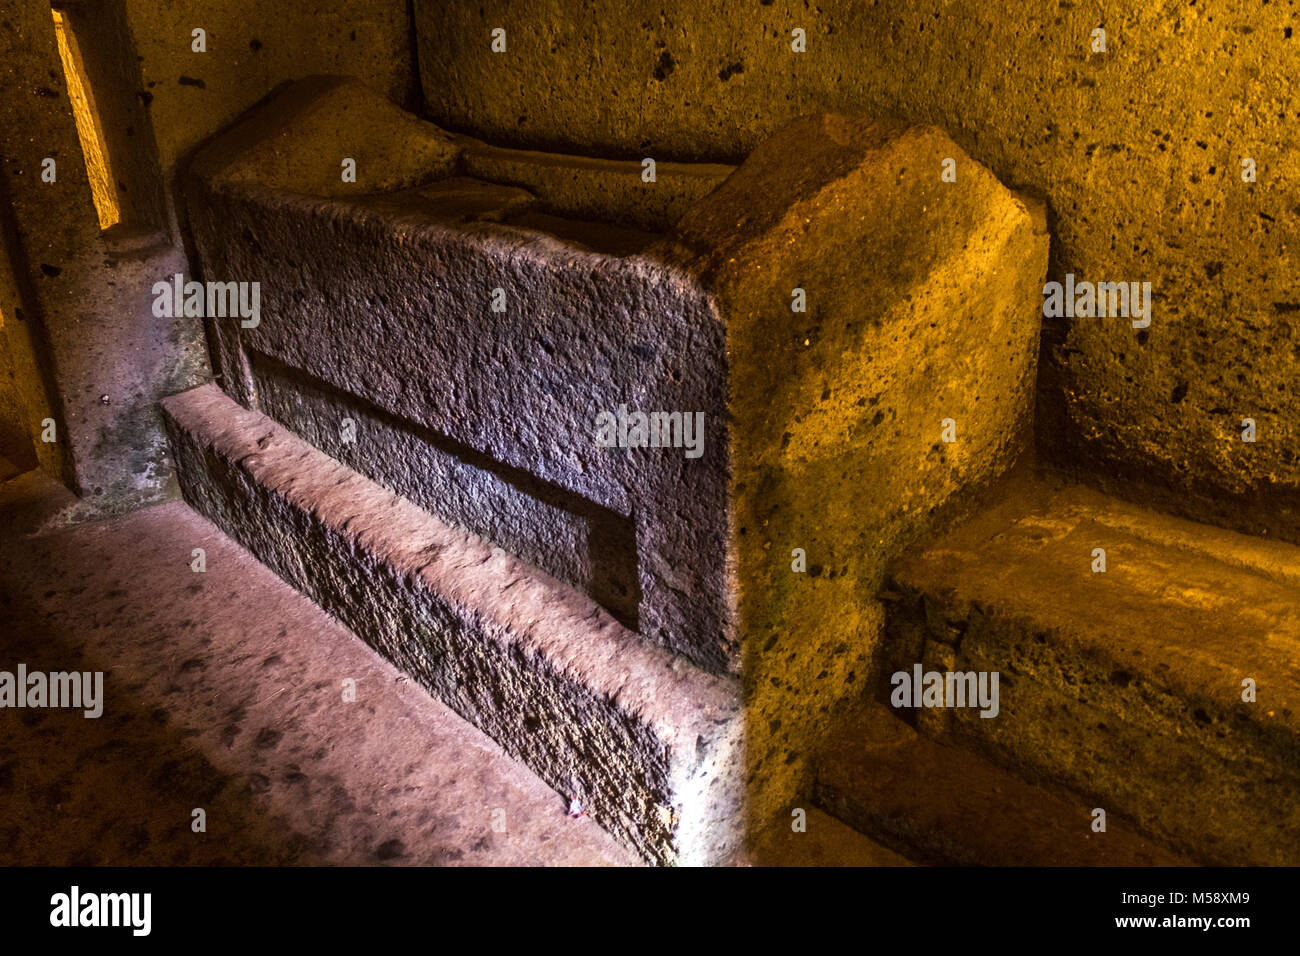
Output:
(905, 379)
(650, 744)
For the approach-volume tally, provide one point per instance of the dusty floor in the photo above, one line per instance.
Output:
(223, 691)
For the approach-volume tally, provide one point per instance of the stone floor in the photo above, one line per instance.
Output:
(224, 691)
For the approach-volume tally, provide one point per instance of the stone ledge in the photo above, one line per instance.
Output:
(1125, 684)
(651, 744)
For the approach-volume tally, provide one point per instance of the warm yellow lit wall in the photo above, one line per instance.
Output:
(253, 46)
(1138, 151)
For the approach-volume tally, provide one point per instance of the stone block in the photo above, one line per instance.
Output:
(920, 325)
(1127, 685)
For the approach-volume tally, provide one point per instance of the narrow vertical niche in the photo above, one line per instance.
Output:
(103, 187)
(113, 124)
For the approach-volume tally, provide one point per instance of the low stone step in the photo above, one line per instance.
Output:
(1165, 687)
(938, 804)
(649, 744)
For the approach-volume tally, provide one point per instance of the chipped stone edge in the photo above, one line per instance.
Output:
(563, 674)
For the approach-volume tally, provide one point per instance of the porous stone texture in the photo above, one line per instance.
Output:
(393, 306)
(378, 343)
(90, 353)
(252, 48)
(1126, 684)
(86, 349)
(18, 374)
(1138, 151)
(920, 308)
(224, 691)
(821, 841)
(319, 122)
(585, 546)
(650, 745)
(948, 807)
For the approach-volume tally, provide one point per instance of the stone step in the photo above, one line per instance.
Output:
(1127, 685)
(649, 744)
(938, 804)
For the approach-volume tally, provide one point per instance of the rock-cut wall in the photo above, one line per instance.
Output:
(1138, 150)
